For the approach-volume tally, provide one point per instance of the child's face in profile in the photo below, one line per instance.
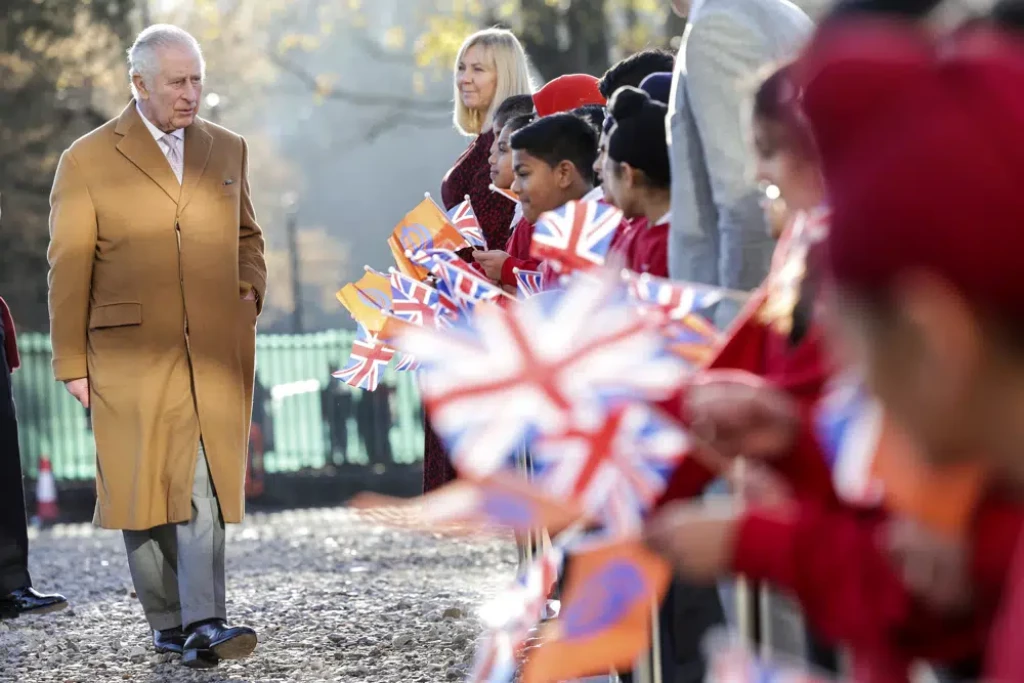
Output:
(540, 187)
(620, 187)
(501, 160)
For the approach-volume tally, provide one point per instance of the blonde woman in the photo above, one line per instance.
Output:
(491, 66)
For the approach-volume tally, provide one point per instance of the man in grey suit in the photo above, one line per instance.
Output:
(718, 233)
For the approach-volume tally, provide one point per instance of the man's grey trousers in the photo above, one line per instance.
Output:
(178, 569)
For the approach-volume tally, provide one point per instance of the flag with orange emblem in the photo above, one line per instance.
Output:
(368, 300)
(605, 620)
(425, 227)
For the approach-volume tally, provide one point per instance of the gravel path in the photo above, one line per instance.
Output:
(332, 599)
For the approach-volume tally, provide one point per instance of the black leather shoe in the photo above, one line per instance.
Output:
(211, 641)
(170, 640)
(29, 601)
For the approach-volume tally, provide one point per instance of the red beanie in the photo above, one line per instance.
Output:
(922, 147)
(566, 93)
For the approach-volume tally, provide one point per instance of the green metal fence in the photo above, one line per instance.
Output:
(307, 419)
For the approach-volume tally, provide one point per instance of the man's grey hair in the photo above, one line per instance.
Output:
(142, 55)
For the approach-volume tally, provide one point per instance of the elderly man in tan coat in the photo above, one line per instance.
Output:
(157, 275)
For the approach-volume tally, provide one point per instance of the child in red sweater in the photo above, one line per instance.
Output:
(637, 178)
(552, 159)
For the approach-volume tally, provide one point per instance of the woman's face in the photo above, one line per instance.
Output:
(782, 164)
(477, 79)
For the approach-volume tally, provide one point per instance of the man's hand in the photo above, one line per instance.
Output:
(736, 413)
(79, 388)
(491, 262)
(695, 538)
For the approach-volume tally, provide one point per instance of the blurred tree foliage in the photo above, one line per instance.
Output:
(59, 78)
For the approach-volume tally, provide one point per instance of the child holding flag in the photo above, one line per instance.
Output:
(553, 160)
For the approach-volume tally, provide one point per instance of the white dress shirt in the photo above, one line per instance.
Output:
(158, 135)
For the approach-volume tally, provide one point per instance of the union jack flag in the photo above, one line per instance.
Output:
(849, 426)
(675, 300)
(529, 282)
(532, 369)
(459, 283)
(576, 236)
(512, 616)
(414, 302)
(464, 219)
(366, 365)
(616, 469)
(406, 363)
(693, 338)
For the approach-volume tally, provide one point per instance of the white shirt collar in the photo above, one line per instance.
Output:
(156, 132)
(664, 220)
(595, 195)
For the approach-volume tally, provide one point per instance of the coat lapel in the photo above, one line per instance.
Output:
(138, 145)
(198, 143)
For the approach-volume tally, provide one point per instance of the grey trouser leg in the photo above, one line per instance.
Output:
(178, 569)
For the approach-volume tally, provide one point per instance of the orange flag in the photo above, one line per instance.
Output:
(426, 226)
(941, 497)
(507, 194)
(605, 621)
(465, 506)
(368, 299)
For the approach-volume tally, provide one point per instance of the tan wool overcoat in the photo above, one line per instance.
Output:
(145, 279)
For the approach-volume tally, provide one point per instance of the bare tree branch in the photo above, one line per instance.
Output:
(353, 97)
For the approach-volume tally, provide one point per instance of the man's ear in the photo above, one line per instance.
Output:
(140, 87)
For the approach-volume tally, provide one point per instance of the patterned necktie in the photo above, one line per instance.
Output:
(172, 144)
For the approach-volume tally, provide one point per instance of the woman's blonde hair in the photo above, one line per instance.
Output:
(504, 51)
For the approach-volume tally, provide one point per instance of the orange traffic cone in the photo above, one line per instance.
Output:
(46, 493)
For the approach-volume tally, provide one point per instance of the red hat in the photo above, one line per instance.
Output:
(566, 93)
(922, 147)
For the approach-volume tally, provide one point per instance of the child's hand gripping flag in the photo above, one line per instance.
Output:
(368, 300)
(463, 218)
(537, 368)
(425, 227)
(576, 236)
(605, 620)
(368, 360)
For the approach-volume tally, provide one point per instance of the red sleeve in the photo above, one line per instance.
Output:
(518, 249)
(833, 562)
(10, 336)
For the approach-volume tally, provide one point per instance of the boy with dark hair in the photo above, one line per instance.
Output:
(552, 159)
(634, 69)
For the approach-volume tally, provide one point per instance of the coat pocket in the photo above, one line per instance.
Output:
(115, 315)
